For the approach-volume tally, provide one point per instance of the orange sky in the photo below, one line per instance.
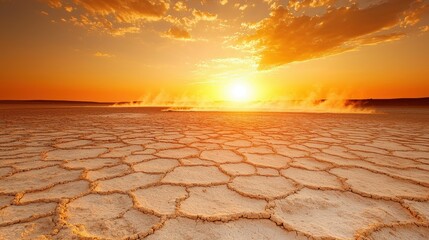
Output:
(123, 50)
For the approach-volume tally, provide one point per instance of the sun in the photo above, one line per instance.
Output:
(240, 92)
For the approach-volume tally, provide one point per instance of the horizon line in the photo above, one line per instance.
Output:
(136, 101)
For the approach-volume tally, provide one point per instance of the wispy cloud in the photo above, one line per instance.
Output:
(116, 17)
(203, 16)
(103, 55)
(286, 36)
(178, 33)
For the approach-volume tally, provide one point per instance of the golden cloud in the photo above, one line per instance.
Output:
(298, 4)
(54, 3)
(103, 54)
(126, 10)
(178, 33)
(285, 37)
(205, 16)
(180, 6)
(116, 17)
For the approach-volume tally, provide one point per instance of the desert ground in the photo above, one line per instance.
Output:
(132, 173)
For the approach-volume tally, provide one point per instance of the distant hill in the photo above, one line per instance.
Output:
(395, 102)
(56, 102)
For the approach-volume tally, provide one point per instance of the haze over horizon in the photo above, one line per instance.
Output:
(111, 51)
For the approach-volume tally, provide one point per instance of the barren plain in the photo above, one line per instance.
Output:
(131, 173)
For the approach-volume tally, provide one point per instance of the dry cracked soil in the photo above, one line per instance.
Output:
(113, 173)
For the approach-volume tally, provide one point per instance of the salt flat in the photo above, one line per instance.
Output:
(129, 173)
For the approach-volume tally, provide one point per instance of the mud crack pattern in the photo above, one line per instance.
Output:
(101, 173)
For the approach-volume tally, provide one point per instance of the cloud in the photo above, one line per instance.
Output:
(54, 3)
(190, 17)
(68, 8)
(286, 37)
(204, 16)
(124, 30)
(240, 7)
(299, 4)
(180, 6)
(126, 10)
(178, 33)
(103, 55)
(373, 40)
(116, 17)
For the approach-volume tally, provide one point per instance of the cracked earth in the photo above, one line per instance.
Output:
(102, 173)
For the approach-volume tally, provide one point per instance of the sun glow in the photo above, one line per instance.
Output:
(240, 92)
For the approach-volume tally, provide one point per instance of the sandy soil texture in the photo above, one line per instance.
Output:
(112, 173)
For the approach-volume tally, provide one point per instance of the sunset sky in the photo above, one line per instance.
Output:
(123, 50)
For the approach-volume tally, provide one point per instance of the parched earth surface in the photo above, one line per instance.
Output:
(113, 173)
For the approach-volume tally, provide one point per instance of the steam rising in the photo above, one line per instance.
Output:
(332, 104)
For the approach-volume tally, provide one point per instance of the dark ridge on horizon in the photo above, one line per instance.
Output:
(59, 102)
(390, 102)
